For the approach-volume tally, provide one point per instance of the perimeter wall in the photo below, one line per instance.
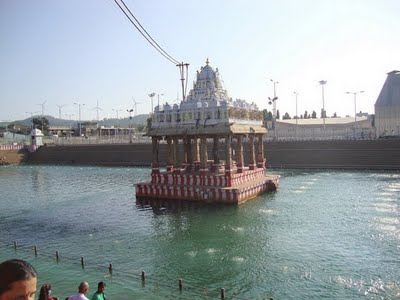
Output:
(344, 154)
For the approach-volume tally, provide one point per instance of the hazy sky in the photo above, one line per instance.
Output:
(87, 51)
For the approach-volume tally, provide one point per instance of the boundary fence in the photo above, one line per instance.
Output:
(141, 276)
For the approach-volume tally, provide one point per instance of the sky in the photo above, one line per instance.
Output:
(64, 52)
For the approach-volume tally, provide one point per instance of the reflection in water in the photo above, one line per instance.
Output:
(323, 233)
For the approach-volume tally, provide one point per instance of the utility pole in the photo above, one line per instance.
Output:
(80, 120)
(355, 110)
(322, 83)
(59, 109)
(184, 75)
(273, 102)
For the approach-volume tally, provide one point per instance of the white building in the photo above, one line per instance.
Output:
(387, 107)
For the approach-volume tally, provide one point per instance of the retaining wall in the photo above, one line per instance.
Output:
(349, 154)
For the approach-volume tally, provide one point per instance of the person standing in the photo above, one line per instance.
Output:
(45, 293)
(18, 280)
(82, 290)
(99, 295)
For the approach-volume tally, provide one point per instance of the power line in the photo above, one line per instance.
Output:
(175, 61)
(182, 66)
(149, 39)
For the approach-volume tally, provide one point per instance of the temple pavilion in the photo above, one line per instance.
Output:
(206, 136)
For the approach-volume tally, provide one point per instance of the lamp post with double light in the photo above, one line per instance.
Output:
(80, 120)
(273, 102)
(355, 110)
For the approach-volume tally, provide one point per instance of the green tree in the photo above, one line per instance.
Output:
(334, 115)
(286, 116)
(306, 116)
(278, 116)
(267, 115)
(314, 115)
(323, 113)
(41, 123)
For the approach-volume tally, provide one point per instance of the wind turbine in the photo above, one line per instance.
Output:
(97, 108)
(42, 104)
(59, 109)
(135, 105)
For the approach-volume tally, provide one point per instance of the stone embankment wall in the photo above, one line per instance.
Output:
(358, 154)
(12, 157)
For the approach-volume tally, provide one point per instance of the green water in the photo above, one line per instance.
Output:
(324, 234)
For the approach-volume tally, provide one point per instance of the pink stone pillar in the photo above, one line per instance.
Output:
(260, 152)
(177, 158)
(188, 154)
(228, 161)
(239, 154)
(170, 155)
(203, 156)
(155, 168)
(252, 162)
(196, 152)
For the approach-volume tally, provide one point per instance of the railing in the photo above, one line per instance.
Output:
(313, 134)
(95, 140)
(140, 276)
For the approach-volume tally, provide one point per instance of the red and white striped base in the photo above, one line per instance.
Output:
(233, 189)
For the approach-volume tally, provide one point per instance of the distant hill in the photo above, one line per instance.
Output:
(137, 120)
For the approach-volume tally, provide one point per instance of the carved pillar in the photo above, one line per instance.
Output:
(252, 162)
(187, 146)
(228, 161)
(215, 166)
(170, 155)
(239, 154)
(260, 152)
(196, 153)
(155, 168)
(177, 158)
(203, 156)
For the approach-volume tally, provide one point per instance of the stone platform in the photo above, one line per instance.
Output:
(225, 189)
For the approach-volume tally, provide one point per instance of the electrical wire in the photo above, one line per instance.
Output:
(175, 61)
(149, 38)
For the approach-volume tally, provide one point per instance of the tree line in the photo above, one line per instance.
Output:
(268, 115)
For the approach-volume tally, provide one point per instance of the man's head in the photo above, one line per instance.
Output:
(83, 287)
(101, 287)
(17, 280)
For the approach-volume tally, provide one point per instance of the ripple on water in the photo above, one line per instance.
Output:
(211, 250)
(238, 259)
(266, 211)
(385, 194)
(191, 253)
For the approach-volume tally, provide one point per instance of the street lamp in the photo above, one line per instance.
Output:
(273, 102)
(70, 122)
(158, 100)
(151, 96)
(297, 116)
(355, 109)
(130, 124)
(80, 123)
(322, 83)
